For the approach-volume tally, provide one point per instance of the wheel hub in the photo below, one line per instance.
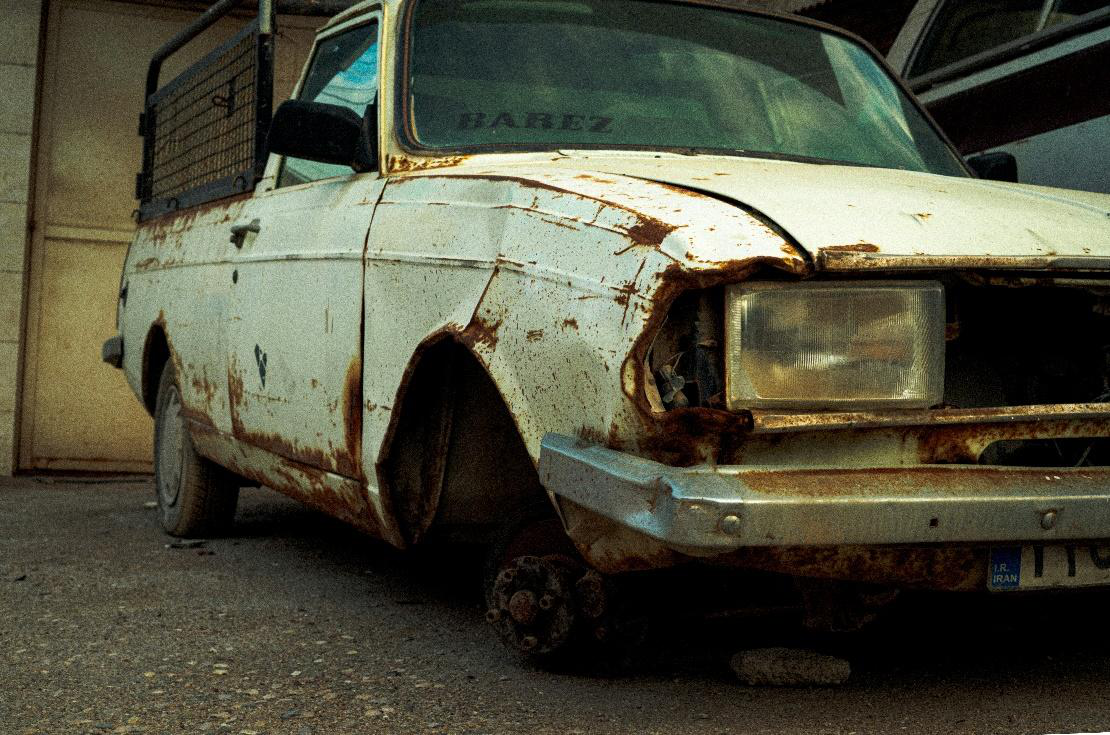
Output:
(523, 608)
(532, 604)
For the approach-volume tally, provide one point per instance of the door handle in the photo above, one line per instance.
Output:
(239, 232)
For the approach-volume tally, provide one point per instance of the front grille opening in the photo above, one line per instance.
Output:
(1021, 346)
(1058, 453)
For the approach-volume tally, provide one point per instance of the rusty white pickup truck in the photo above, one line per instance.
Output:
(616, 285)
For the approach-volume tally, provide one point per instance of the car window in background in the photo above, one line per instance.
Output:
(964, 28)
(344, 72)
(1068, 10)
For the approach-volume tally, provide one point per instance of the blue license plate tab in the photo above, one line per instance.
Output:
(1005, 568)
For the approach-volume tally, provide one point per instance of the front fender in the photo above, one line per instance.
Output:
(577, 271)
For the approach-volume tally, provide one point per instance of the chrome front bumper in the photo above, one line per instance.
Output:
(707, 510)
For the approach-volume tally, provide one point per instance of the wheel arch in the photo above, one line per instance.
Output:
(156, 353)
(453, 458)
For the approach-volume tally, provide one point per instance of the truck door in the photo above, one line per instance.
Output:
(294, 332)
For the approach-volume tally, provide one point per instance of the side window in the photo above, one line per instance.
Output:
(964, 28)
(1068, 10)
(344, 71)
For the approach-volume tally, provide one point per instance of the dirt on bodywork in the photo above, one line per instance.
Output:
(343, 460)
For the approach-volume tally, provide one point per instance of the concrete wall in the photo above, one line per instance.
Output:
(19, 51)
(60, 408)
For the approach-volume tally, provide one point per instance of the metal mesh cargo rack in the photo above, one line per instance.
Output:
(204, 132)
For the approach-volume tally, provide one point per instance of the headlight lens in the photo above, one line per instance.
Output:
(835, 345)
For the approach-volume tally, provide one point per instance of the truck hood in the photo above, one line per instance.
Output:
(851, 217)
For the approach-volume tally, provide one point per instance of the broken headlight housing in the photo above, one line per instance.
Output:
(830, 345)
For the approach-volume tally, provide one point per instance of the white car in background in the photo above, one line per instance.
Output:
(1027, 78)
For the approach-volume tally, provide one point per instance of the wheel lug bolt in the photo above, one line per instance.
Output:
(493, 615)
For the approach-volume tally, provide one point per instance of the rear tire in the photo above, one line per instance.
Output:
(195, 496)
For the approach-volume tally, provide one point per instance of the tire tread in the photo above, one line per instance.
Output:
(209, 493)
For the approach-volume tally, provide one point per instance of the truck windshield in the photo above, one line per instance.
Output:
(545, 74)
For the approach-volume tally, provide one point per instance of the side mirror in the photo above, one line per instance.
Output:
(994, 166)
(325, 133)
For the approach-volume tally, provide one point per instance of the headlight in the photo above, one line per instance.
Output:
(834, 345)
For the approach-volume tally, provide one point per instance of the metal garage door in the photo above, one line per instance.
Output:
(78, 414)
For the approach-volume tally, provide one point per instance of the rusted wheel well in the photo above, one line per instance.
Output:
(456, 462)
(156, 352)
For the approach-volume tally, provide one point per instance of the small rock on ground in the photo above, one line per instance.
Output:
(789, 667)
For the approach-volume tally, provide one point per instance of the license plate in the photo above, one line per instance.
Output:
(1043, 566)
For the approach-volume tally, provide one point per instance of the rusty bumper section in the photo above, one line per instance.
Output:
(705, 511)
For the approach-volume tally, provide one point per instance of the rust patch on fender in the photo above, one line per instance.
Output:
(649, 232)
(234, 395)
(859, 247)
(203, 387)
(683, 437)
(627, 290)
(596, 179)
(349, 462)
(481, 332)
(704, 421)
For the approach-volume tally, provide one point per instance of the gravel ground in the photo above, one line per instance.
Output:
(299, 625)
